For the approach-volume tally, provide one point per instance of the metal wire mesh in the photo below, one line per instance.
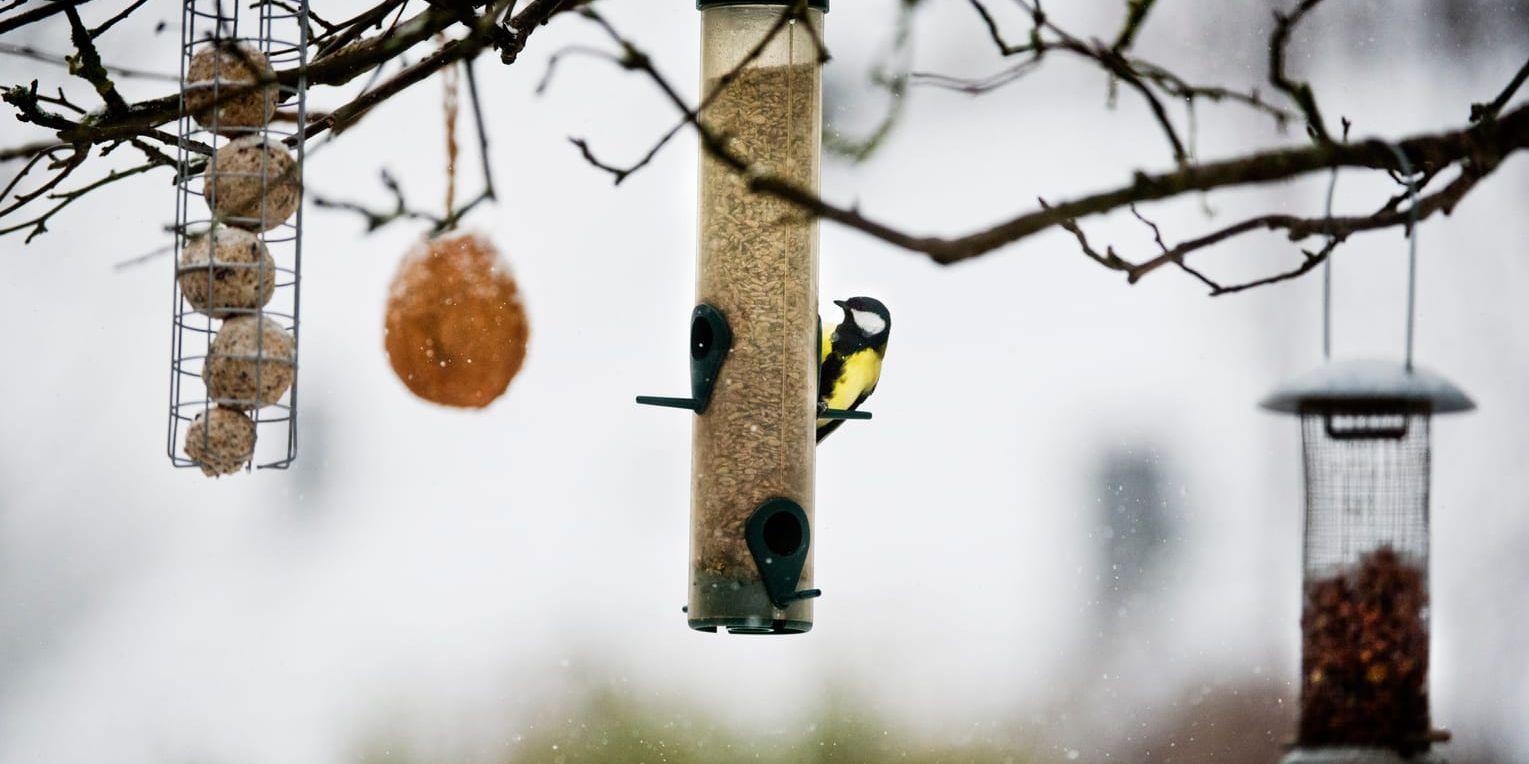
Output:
(1366, 487)
(279, 31)
(1364, 620)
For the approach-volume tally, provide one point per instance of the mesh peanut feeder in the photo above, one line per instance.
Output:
(238, 229)
(1364, 620)
(754, 335)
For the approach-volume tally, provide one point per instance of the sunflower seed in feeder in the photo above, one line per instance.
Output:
(226, 271)
(249, 369)
(253, 183)
(221, 441)
(220, 92)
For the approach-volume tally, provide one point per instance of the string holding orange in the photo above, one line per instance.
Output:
(449, 109)
(456, 329)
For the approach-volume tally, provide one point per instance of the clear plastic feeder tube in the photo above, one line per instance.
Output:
(757, 265)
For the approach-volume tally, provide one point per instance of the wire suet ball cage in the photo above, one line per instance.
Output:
(238, 235)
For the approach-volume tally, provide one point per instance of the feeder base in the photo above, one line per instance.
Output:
(751, 625)
(741, 606)
(1358, 755)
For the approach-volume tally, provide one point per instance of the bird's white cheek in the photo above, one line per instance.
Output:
(870, 324)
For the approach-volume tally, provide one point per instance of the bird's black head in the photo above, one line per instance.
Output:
(866, 317)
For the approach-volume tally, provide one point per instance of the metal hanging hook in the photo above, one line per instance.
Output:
(1410, 178)
(1327, 272)
(1412, 244)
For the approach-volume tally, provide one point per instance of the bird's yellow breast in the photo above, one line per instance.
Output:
(861, 370)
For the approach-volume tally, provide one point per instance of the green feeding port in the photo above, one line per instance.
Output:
(779, 537)
(782, 534)
(710, 340)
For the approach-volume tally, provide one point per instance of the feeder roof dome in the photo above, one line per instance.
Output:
(1368, 382)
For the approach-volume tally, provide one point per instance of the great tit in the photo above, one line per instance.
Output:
(851, 358)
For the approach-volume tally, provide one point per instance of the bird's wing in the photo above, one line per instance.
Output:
(856, 375)
(854, 378)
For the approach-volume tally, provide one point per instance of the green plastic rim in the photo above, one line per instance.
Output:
(751, 625)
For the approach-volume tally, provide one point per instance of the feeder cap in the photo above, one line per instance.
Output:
(1366, 382)
(817, 5)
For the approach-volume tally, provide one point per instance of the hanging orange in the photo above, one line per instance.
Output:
(456, 330)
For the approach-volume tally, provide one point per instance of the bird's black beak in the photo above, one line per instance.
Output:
(842, 304)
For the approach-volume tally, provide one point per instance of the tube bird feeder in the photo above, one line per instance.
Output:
(754, 334)
(1364, 619)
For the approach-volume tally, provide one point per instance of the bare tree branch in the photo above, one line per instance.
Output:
(401, 210)
(1136, 13)
(101, 28)
(361, 45)
(632, 59)
(1490, 110)
(29, 151)
(1336, 228)
(1149, 80)
(1478, 149)
(38, 14)
(120, 122)
(87, 64)
(1299, 91)
(27, 51)
(39, 224)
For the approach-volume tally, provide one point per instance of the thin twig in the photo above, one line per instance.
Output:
(38, 14)
(39, 224)
(1299, 91)
(87, 64)
(633, 59)
(29, 52)
(101, 28)
(1480, 147)
(1482, 112)
(478, 122)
